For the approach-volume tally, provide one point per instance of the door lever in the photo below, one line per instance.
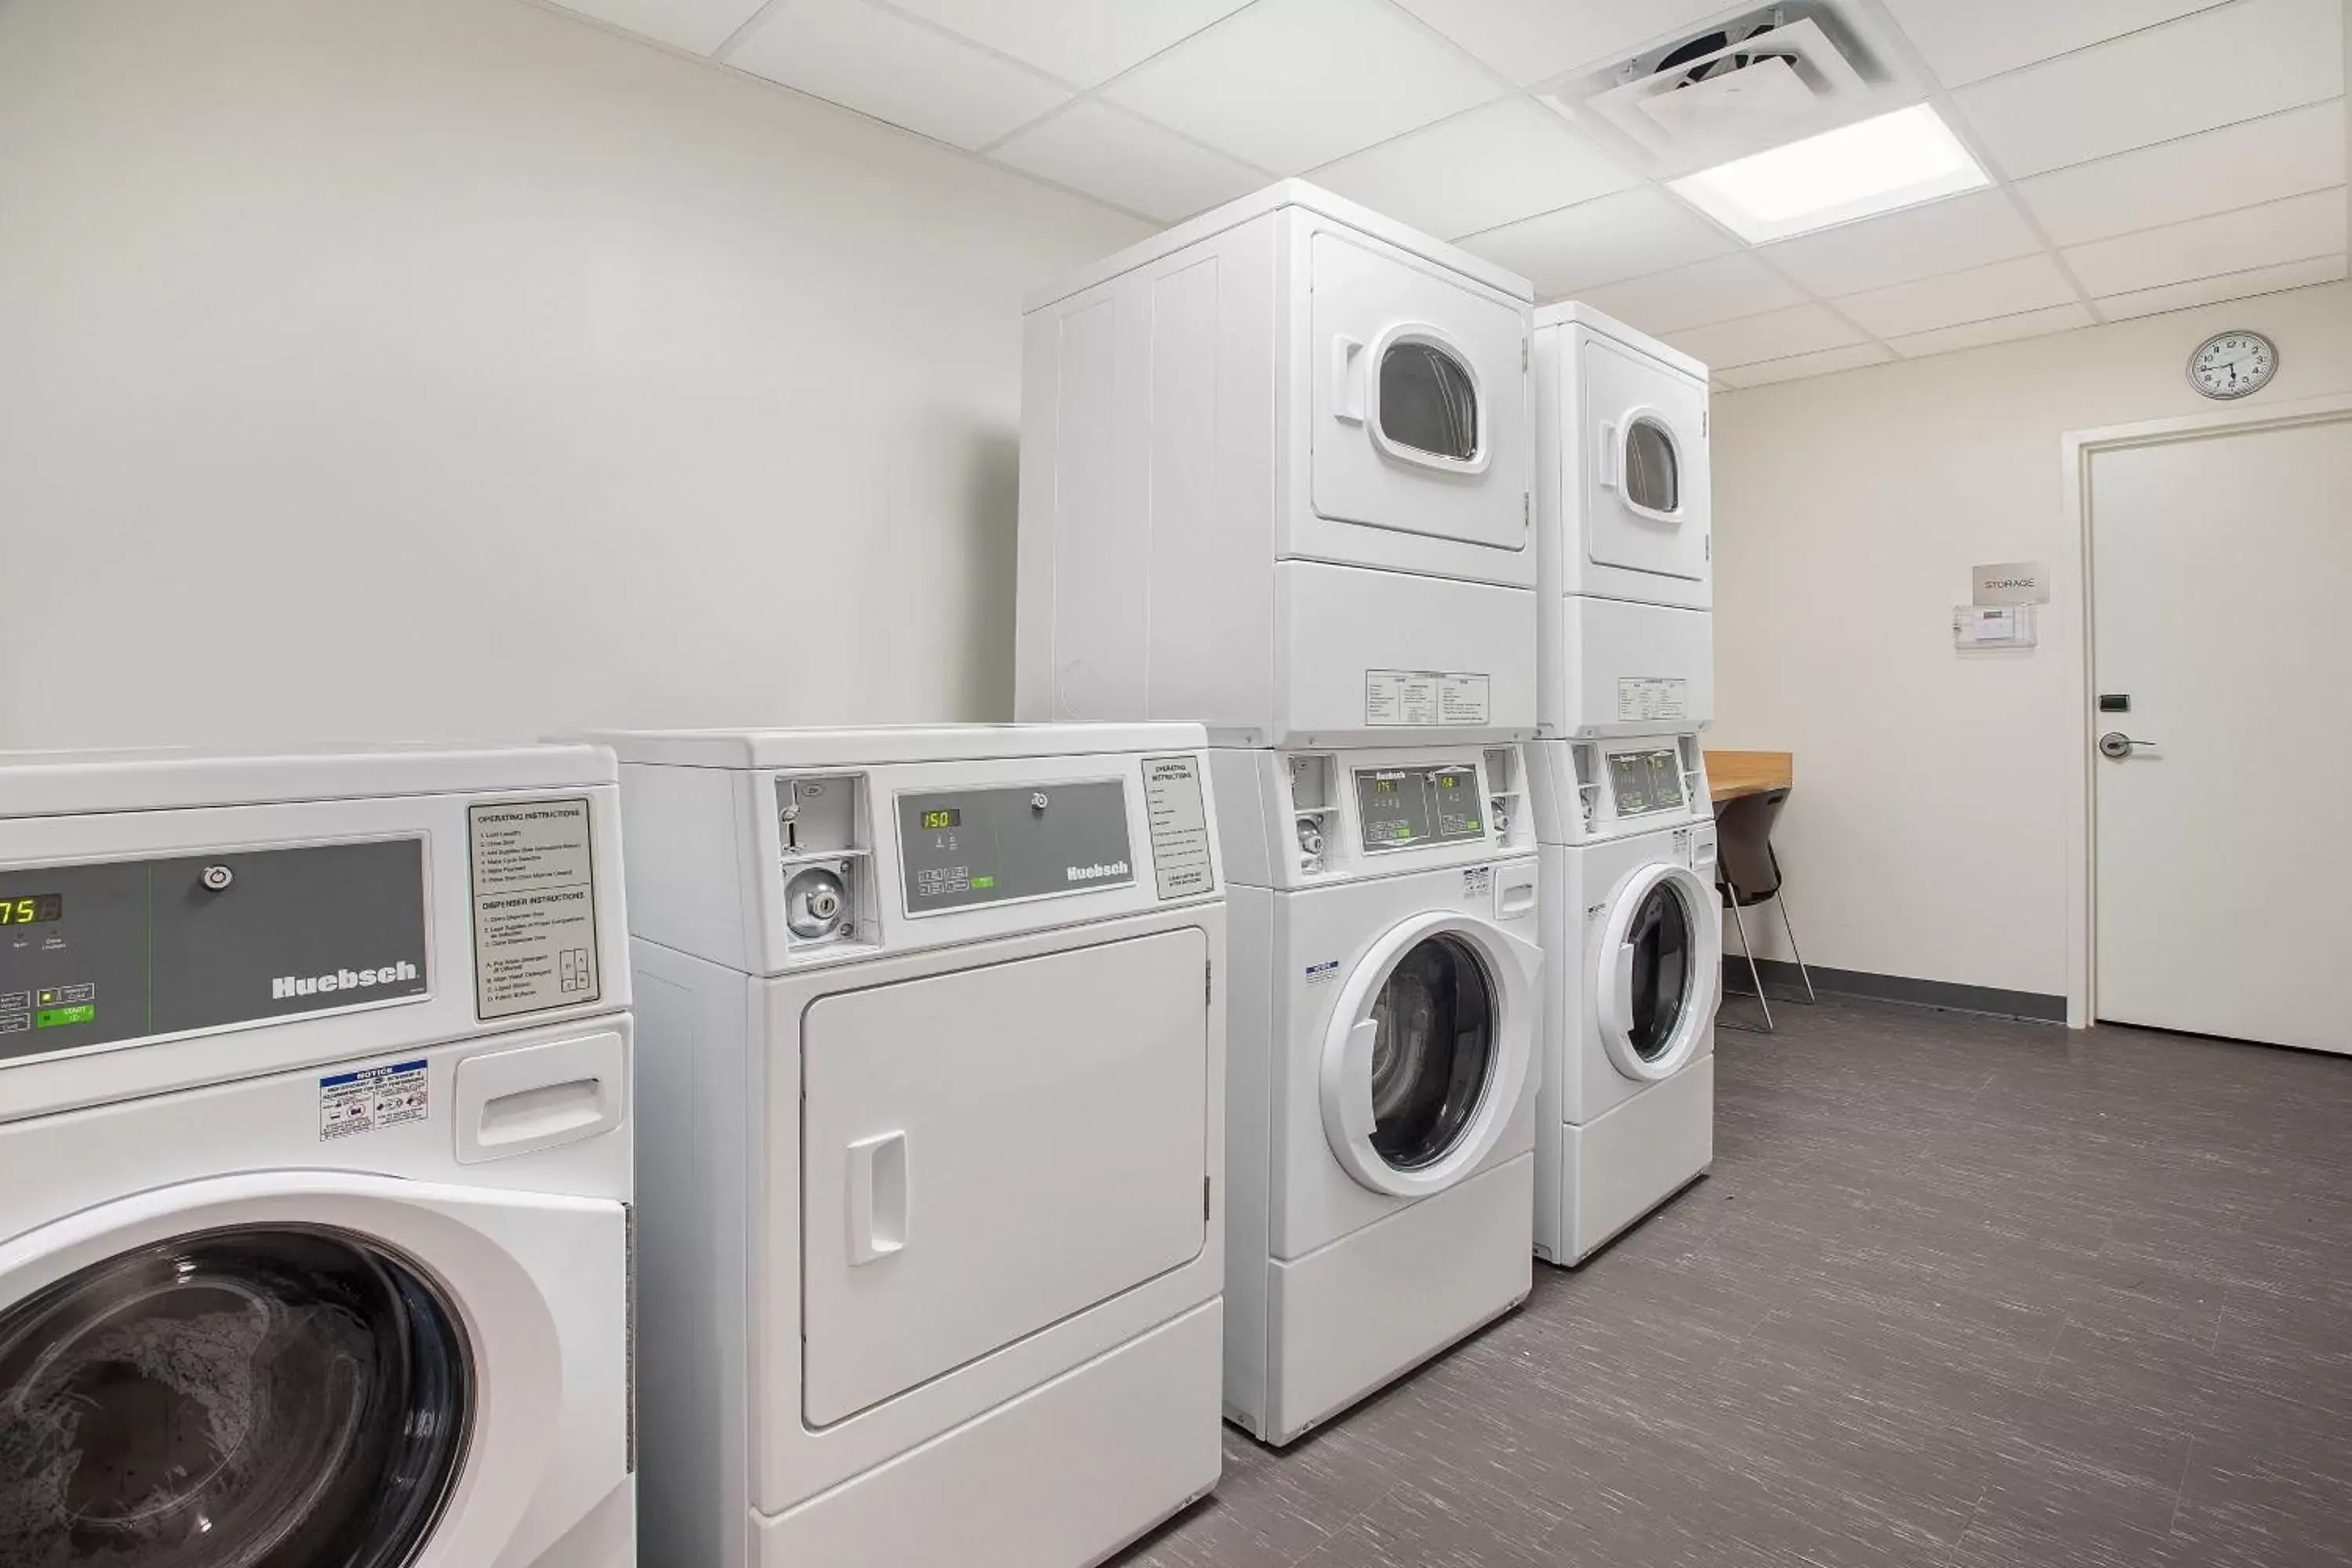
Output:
(2117, 744)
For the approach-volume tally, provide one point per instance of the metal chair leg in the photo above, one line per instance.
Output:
(1781, 899)
(1755, 975)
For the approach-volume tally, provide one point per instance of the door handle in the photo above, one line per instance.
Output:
(2117, 744)
(1346, 380)
(877, 1197)
(1605, 470)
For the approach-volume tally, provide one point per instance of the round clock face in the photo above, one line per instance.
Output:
(2232, 364)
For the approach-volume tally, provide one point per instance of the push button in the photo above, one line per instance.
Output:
(15, 1023)
(70, 994)
(15, 1001)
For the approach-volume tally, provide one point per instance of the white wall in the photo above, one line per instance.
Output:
(1926, 835)
(395, 368)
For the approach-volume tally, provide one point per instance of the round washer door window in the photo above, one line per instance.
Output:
(1433, 1053)
(1660, 954)
(257, 1398)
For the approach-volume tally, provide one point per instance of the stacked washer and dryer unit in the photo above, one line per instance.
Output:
(1632, 924)
(314, 1161)
(1275, 480)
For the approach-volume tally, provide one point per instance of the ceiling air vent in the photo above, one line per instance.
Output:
(1760, 78)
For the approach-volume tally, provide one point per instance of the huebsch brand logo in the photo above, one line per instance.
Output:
(1095, 872)
(286, 985)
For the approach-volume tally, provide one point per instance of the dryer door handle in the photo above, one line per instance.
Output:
(877, 1197)
(1605, 468)
(1347, 380)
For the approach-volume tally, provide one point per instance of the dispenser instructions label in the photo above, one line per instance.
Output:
(1651, 697)
(1179, 826)
(1424, 699)
(534, 907)
(371, 1099)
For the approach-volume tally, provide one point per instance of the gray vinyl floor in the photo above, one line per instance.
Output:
(1958, 1293)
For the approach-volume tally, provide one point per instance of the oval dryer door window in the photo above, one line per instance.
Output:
(1428, 401)
(1653, 473)
(269, 1396)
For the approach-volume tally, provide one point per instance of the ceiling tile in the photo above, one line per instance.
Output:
(1966, 42)
(2229, 286)
(1796, 366)
(2215, 67)
(865, 59)
(701, 25)
(1133, 163)
(2295, 230)
(1999, 330)
(1084, 41)
(1477, 171)
(1529, 41)
(1716, 291)
(1917, 242)
(2237, 166)
(1618, 237)
(1292, 84)
(1778, 335)
(2003, 289)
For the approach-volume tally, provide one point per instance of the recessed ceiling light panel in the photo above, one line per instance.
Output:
(1875, 166)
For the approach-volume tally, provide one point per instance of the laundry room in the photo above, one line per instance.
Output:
(1220, 784)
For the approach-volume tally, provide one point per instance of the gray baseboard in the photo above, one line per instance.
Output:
(1781, 979)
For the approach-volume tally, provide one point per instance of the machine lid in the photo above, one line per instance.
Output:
(63, 784)
(1428, 1052)
(911, 743)
(1661, 954)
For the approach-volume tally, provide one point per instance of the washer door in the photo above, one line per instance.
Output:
(1428, 1053)
(308, 1370)
(1661, 953)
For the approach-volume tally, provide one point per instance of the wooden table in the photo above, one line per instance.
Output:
(1730, 774)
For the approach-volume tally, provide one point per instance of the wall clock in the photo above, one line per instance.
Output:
(2232, 364)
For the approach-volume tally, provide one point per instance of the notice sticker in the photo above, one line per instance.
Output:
(1425, 698)
(1651, 698)
(1316, 973)
(1179, 826)
(1479, 882)
(373, 1099)
(534, 907)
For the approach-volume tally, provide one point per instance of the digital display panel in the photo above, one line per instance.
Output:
(952, 816)
(1400, 807)
(1644, 782)
(32, 909)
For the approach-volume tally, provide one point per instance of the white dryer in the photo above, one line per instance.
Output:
(314, 1162)
(1633, 943)
(1623, 505)
(932, 1088)
(1382, 1115)
(1274, 470)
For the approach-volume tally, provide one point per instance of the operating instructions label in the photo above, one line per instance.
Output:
(1179, 826)
(1425, 698)
(1651, 697)
(534, 907)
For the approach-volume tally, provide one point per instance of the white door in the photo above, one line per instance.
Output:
(988, 1152)
(2221, 580)
(1420, 416)
(1646, 484)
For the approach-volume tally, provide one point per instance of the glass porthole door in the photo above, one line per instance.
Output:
(1660, 956)
(1427, 1053)
(265, 1396)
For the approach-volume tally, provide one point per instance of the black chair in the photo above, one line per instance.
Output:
(1746, 873)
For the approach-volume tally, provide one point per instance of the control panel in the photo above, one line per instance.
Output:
(102, 953)
(962, 847)
(1643, 781)
(1403, 807)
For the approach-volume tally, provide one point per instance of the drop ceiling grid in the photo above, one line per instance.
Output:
(1462, 64)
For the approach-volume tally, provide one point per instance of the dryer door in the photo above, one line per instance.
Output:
(302, 1369)
(987, 1152)
(1421, 418)
(1646, 484)
(1428, 1052)
(1661, 957)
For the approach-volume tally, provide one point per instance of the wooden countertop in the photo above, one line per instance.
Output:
(1730, 774)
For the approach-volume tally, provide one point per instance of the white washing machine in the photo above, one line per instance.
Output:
(1383, 1027)
(1625, 517)
(314, 1162)
(1632, 939)
(1274, 470)
(933, 1090)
